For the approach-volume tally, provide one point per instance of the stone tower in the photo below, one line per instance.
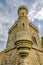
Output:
(23, 45)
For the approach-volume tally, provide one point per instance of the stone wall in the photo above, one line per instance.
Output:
(35, 57)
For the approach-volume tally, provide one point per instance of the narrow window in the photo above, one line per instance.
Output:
(23, 25)
(34, 39)
(22, 14)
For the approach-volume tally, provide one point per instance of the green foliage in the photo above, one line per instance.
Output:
(42, 41)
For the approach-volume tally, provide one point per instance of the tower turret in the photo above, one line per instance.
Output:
(22, 11)
(23, 45)
(23, 40)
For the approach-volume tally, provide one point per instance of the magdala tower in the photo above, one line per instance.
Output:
(23, 45)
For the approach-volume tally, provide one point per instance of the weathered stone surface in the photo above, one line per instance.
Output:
(1, 56)
(23, 45)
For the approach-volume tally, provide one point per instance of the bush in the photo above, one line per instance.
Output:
(42, 41)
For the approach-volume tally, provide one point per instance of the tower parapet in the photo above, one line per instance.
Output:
(22, 11)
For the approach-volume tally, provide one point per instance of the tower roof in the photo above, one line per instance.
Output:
(22, 7)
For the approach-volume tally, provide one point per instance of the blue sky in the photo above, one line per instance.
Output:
(8, 15)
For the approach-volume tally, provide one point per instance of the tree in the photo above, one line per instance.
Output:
(42, 41)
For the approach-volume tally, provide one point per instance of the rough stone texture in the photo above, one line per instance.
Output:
(22, 48)
(1, 56)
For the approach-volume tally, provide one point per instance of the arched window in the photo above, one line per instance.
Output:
(34, 39)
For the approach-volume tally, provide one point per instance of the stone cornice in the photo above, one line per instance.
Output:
(37, 49)
(31, 48)
(33, 26)
(12, 27)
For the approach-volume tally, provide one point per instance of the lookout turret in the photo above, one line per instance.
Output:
(22, 11)
(23, 33)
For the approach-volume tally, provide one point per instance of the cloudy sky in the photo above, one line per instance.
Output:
(8, 15)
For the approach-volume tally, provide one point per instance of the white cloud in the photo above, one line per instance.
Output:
(36, 11)
(6, 20)
(36, 15)
(39, 14)
(1, 29)
(39, 26)
(3, 37)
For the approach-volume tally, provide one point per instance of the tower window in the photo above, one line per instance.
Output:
(23, 25)
(34, 39)
(23, 14)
